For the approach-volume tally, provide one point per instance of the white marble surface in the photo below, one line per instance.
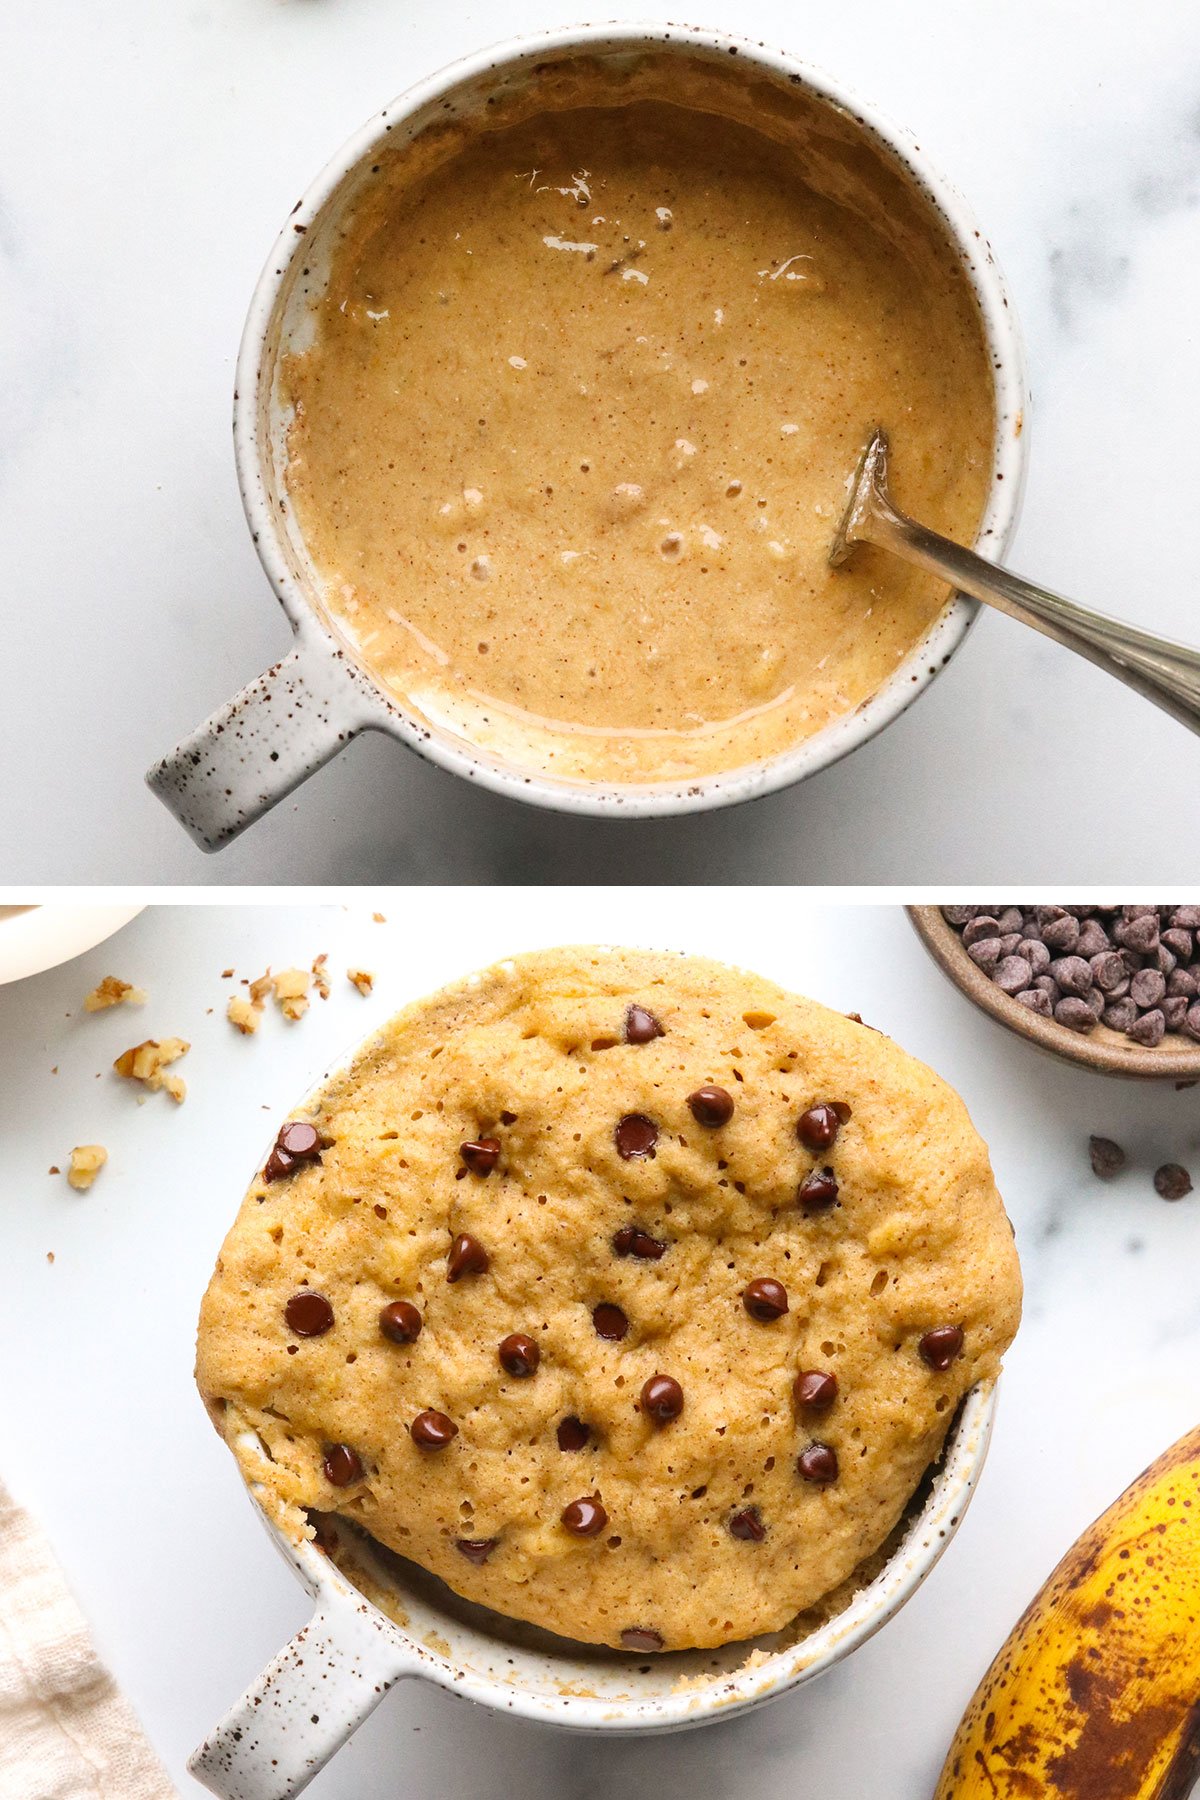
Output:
(149, 153)
(102, 1432)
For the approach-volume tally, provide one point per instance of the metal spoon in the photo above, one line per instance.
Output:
(1160, 670)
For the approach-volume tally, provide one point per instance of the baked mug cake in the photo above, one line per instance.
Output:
(587, 377)
(627, 1293)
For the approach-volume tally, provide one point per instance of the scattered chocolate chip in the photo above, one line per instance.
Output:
(711, 1106)
(748, 1526)
(1107, 1158)
(296, 1143)
(476, 1550)
(817, 1191)
(765, 1299)
(815, 1390)
(481, 1155)
(400, 1321)
(518, 1354)
(1172, 1181)
(641, 1027)
(610, 1322)
(631, 1240)
(940, 1346)
(640, 1638)
(572, 1433)
(635, 1135)
(308, 1314)
(467, 1257)
(584, 1518)
(818, 1127)
(342, 1465)
(662, 1399)
(432, 1430)
(818, 1463)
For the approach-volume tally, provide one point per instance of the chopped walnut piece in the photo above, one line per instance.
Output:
(148, 1062)
(226, 974)
(363, 980)
(87, 1160)
(261, 987)
(112, 992)
(291, 992)
(243, 1013)
(320, 977)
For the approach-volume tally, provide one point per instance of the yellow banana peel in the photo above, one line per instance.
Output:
(1096, 1693)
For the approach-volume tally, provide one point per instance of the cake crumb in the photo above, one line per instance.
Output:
(363, 979)
(112, 992)
(245, 1014)
(379, 918)
(49, 1256)
(320, 976)
(148, 1064)
(87, 1160)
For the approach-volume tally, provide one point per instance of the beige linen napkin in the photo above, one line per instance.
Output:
(66, 1732)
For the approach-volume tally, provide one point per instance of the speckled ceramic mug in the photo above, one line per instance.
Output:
(339, 1666)
(293, 719)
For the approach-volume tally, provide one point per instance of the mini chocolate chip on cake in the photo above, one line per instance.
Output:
(627, 1293)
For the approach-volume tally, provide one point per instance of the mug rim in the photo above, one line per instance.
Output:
(380, 709)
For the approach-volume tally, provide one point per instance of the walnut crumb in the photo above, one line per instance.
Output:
(379, 918)
(291, 992)
(261, 987)
(320, 977)
(87, 1160)
(54, 1169)
(49, 1256)
(363, 980)
(226, 974)
(112, 992)
(243, 1013)
(148, 1063)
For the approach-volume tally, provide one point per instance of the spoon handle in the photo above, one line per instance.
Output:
(1162, 671)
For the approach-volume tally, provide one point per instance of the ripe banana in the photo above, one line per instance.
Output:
(1096, 1694)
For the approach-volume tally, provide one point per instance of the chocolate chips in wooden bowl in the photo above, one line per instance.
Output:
(1111, 988)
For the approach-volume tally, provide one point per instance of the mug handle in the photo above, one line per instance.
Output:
(303, 1706)
(260, 745)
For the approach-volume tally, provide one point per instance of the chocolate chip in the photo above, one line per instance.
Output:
(1149, 1030)
(818, 1127)
(748, 1526)
(986, 954)
(584, 1518)
(1061, 935)
(1035, 1001)
(1140, 934)
(1013, 974)
(940, 1346)
(1147, 987)
(1075, 1014)
(711, 1106)
(476, 1550)
(572, 1433)
(818, 1463)
(610, 1322)
(467, 1257)
(641, 1027)
(640, 1638)
(518, 1354)
(432, 1430)
(631, 1240)
(342, 1465)
(980, 927)
(662, 1399)
(817, 1191)
(296, 1143)
(481, 1155)
(1172, 1181)
(1107, 1157)
(765, 1299)
(815, 1390)
(308, 1314)
(635, 1135)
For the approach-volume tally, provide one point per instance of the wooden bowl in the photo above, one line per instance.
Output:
(1104, 1051)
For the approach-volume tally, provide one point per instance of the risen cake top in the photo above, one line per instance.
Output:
(626, 1292)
